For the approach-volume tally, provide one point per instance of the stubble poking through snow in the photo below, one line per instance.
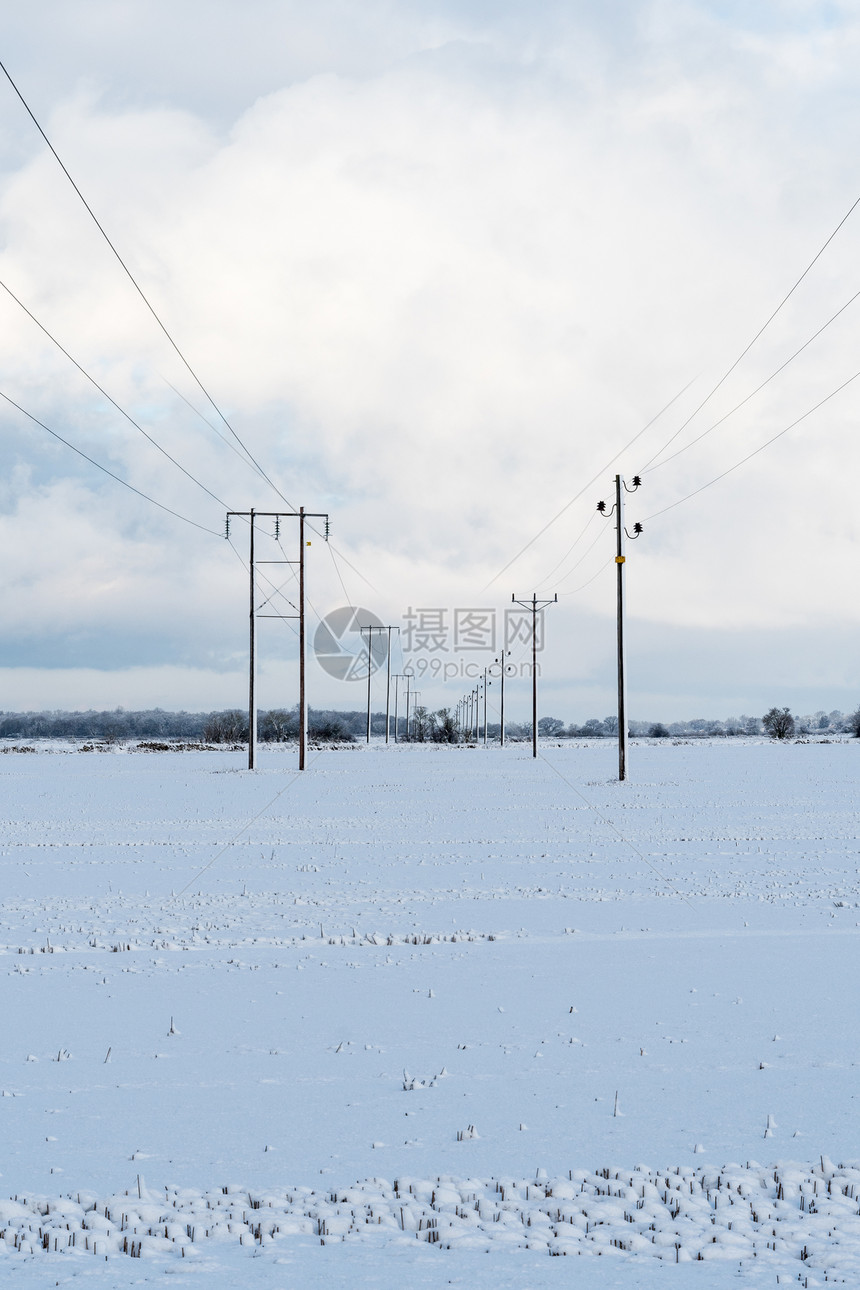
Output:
(440, 969)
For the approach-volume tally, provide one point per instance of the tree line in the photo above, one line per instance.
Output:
(280, 725)
(228, 726)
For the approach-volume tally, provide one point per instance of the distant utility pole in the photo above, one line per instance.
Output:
(534, 605)
(301, 515)
(501, 662)
(620, 558)
(388, 684)
(370, 631)
(398, 676)
(486, 683)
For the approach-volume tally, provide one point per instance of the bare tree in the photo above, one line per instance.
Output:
(443, 727)
(778, 723)
(228, 727)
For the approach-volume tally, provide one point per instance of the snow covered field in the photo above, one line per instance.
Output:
(424, 1016)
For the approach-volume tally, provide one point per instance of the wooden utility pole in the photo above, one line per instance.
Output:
(370, 630)
(388, 689)
(620, 558)
(252, 656)
(398, 676)
(621, 609)
(303, 701)
(534, 605)
(501, 661)
(301, 515)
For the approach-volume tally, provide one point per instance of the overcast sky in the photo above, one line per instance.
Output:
(438, 263)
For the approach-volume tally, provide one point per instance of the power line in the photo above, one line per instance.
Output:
(574, 544)
(210, 424)
(138, 288)
(593, 578)
(586, 553)
(107, 396)
(758, 388)
(336, 567)
(756, 451)
(586, 487)
(99, 466)
(759, 333)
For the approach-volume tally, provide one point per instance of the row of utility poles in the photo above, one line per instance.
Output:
(412, 696)
(469, 708)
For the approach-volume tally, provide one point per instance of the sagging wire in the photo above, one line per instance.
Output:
(590, 483)
(169, 510)
(754, 392)
(756, 451)
(121, 410)
(756, 337)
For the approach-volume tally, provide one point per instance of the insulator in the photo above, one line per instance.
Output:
(601, 506)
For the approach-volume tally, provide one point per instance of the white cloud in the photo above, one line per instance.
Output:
(436, 287)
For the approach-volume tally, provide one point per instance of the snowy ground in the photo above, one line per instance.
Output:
(422, 1017)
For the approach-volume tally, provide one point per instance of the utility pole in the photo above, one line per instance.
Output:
(534, 605)
(370, 631)
(303, 692)
(369, 675)
(252, 655)
(620, 559)
(388, 687)
(486, 683)
(408, 679)
(398, 676)
(301, 515)
(501, 661)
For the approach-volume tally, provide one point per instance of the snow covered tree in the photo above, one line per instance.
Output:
(443, 727)
(778, 723)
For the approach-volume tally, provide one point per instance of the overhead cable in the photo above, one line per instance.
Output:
(756, 451)
(105, 470)
(121, 410)
(758, 334)
(139, 289)
(586, 487)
